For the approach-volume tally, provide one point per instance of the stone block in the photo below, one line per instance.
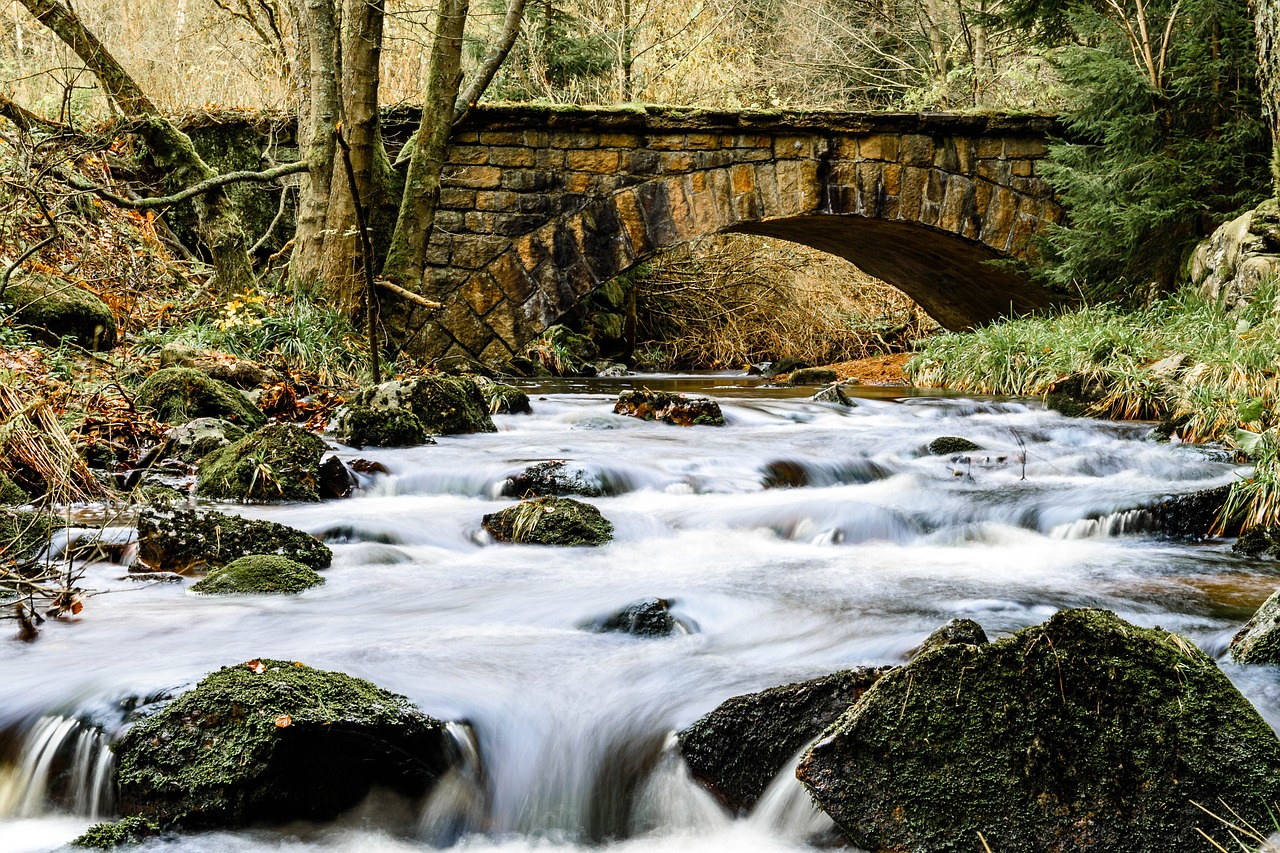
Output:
(958, 196)
(529, 180)
(972, 225)
(573, 139)
(878, 146)
(464, 325)
(482, 293)
(619, 140)
(680, 204)
(511, 277)
(912, 195)
(548, 159)
(633, 222)
(792, 147)
(495, 200)
(655, 203)
(702, 141)
(449, 221)
(917, 150)
(579, 182)
(439, 248)
(1023, 168)
(508, 157)
(457, 198)
(497, 352)
(990, 148)
(475, 251)
(676, 163)
(502, 321)
(477, 177)
(767, 184)
(531, 249)
(644, 163)
(1018, 148)
(996, 171)
(666, 142)
(535, 138)
(468, 155)
(600, 162)
(503, 137)
(479, 223)
(1002, 207)
(742, 179)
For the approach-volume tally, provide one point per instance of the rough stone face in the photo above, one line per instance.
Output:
(812, 376)
(833, 393)
(124, 832)
(1191, 515)
(445, 405)
(554, 477)
(280, 462)
(60, 309)
(1258, 642)
(1083, 733)
(189, 540)
(258, 573)
(176, 395)
(1231, 263)
(550, 521)
(676, 409)
(191, 441)
(946, 445)
(648, 618)
(1258, 542)
(271, 741)
(738, 748)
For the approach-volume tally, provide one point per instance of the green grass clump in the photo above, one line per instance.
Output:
(1206, 373)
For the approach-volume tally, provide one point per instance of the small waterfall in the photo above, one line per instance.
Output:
(1105, 526)
(458, 804)
(786, 809)
(670, 800)
(65, 764)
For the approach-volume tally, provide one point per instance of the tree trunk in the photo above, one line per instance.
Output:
(218, 221)
(1266, 21)
(318, 113)
(406, 259)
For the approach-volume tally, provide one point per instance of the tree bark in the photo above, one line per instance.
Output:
(1266, 22)
(218, 221)
(319, 112)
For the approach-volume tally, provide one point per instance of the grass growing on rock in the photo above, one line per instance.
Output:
(1207, 374)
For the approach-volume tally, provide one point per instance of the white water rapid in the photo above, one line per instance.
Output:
(567, 732)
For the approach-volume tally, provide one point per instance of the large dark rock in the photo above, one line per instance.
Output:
(1190, 515)
(176, 395)
(738, 748)
(280, 462)
(669, 408)
(190, 541)
(1258, 542)
(948, 445)
(59, 309)
(1085, 733)
(812, 376)
(504, 399)
(258, 573)
(1259, 640)
(271, 741)
(444, 405)
(648, 618)
(553, 477)
(550, 521)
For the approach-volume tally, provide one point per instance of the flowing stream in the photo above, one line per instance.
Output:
(567, 732)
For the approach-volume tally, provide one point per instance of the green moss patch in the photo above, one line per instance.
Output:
(362, 426)
(947, 445)
(108, 836)
(23, 534)
(272, 741)
(280, 462)
(1084, 733)
(445, 405)
(550, 521)
(258, 573)
(10, 492)
(59, 309)
(177, 395)
(186, 540)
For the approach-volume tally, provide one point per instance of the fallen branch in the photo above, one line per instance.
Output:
(80, 183)
(408, 294)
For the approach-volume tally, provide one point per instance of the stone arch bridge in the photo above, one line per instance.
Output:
(541, 205)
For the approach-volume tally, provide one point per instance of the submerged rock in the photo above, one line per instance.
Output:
(812, 376)
(1191, 515)
(833, 393)
(553, 477)
(785, 474)
(550, 521)
(189, 540)
(271, 741)
(176, 395)
(1258, 542)
(390, 414)
(336, 479)
(648, 618)
(280, 462)
(957, 631)
(195, 439)
(1084, 733)
(737, 749)
(258, 573)
(108, 836)
(61, 310)
(669, 408)
(946, 445)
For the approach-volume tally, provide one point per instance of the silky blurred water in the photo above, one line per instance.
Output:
(570, 728)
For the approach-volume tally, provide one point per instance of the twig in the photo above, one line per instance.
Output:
(408, 294)
(267, 176)
(370, 300)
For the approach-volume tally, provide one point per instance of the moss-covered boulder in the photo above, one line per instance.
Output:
(1084, 733)
(236, 372)
(59, 309)
(650, 617)
(124, 832)
(258, 573)
(280, 462)
(504, 399)
(188, 540)
(812, 376)
(553, 477)
(23, 534)
(1259, 542)
(1258, 642)
(550, 521)
(1191, 515)
(176, 395)
(198, 438)
(669, 408)
(366, 426)
(948, 445)
(10, 492)
(737, 749)
(271, 741)
(445, 405)
(560, 351)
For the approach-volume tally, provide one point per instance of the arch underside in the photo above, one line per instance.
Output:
(950, 277)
